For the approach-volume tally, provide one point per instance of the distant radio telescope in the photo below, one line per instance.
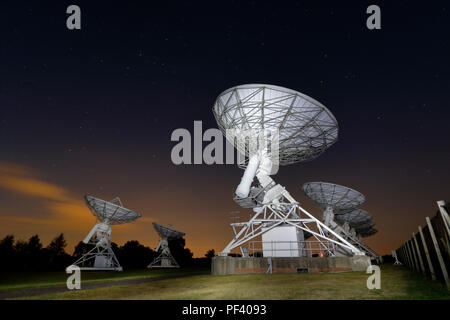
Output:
(165, 258)
(101, 256)
(359, 220)
(332, 196)
(339, 204)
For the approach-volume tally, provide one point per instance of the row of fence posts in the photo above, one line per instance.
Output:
(427, 251)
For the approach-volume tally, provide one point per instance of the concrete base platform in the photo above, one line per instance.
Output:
(237, 265)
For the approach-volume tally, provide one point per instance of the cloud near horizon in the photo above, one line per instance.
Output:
(58, 209)
(58, 204)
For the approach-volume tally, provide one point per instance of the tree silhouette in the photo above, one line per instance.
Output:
(21, 260)
(80, 249)
(133, 255)
(211, 253)
(7, 243)
(8, 253)
(57, 257)
(32, 252)
(181, 254)
(19, 255)
(57, 245)
(34, 244)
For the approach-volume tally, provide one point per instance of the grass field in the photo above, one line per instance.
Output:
(25, 280)
(396, 283)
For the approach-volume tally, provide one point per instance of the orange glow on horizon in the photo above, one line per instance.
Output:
(37, 206)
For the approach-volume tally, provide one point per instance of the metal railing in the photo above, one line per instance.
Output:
(309, 248)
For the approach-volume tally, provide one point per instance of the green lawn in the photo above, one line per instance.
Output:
(25, 280)
(396, 283)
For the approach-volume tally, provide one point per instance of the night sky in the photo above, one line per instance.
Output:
(91, 111)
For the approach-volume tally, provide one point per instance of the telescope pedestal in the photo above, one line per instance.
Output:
(101, 256)
(165, 259)
(273, 215)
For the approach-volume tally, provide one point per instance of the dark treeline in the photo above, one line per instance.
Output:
(389, 259)
(31, 255)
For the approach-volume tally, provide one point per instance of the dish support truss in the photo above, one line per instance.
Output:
(101, 256)
(287, 211)
(165, 258)
(274, 206)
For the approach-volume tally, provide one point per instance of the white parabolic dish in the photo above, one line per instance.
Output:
(166, 232)
(367, 232)
(355, 217)
(306, 127)
(110, 212)
(340, 198)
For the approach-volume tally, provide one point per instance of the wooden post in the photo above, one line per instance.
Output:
(446, 220)
(444, 214)
(418, 253)
(405, 257)
(411, 265)
(400, 255)
(409, 255)
(405, 252)
(416, 263)
(402, 249)
(438, 252)
(427, 254)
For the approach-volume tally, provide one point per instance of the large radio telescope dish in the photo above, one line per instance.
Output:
(299, 129)
(340, 198)
(306, 127)
(109, 212)
(167, 233)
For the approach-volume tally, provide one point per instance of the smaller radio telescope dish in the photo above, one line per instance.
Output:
(363, 226)
(354, 218)
(101, 256)
(359, 220)
(367, 232)
(165, 258)
(110, 212)
(329, 195)
(338, 204)
(167, 233)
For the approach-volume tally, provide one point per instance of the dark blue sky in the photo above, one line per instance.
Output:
(92, 110)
